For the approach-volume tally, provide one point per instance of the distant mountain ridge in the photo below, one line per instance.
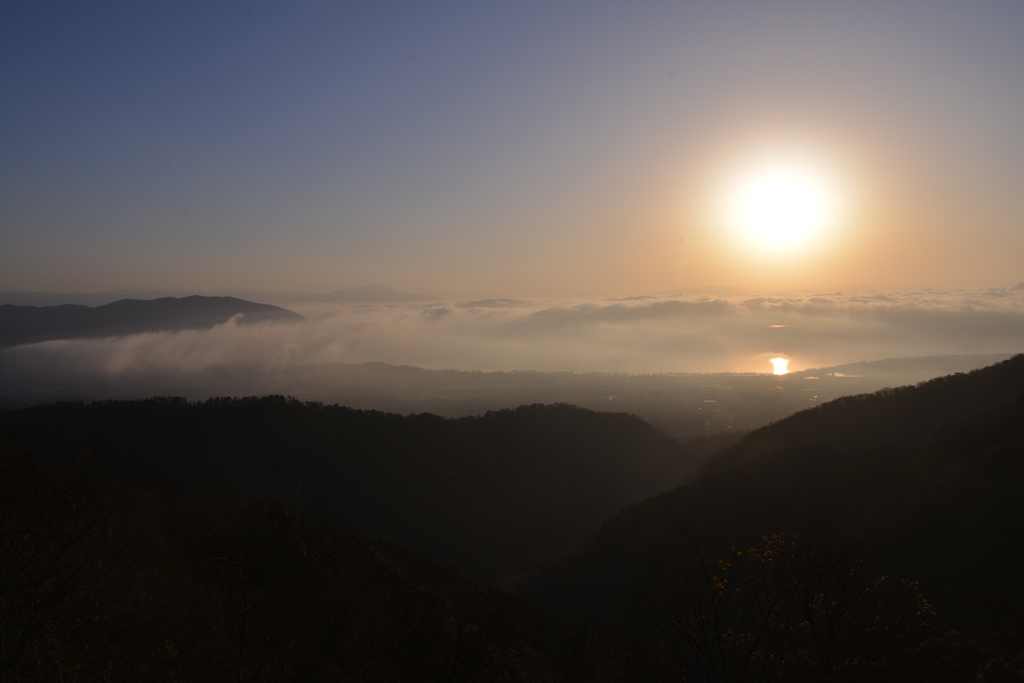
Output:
(31, 324)
(364, 294)
(901, 371)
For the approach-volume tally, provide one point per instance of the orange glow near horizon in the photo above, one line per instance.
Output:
(780, 366)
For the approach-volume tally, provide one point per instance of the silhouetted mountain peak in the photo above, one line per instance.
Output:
(30, 324)
(366, 294)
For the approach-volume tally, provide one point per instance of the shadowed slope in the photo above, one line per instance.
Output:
(924, 477)
(498, 494)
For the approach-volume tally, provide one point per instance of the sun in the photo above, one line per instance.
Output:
(781, 204)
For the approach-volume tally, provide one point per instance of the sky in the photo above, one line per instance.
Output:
(504, 149)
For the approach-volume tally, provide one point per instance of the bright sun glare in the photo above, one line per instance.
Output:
(780, 366)
(781, 204)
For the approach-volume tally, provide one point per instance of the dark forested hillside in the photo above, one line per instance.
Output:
(110, 581)
(498, 494)
(929, 480)
(874, 538)
(107, 580)
(30, 324)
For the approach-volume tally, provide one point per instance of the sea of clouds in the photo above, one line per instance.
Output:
(639, 334)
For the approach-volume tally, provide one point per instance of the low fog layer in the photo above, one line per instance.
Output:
(635, 335)
(325, 357)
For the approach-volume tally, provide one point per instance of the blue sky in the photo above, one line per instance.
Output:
(490, 149)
